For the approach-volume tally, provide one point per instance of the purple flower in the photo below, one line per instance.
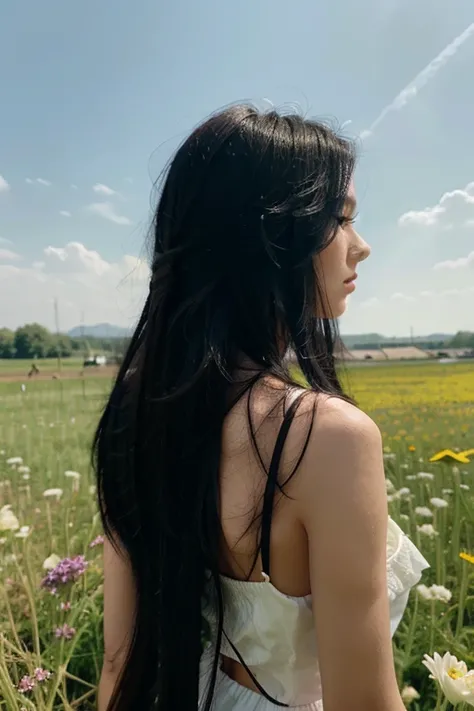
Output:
(97, 542)
(67, 571)
(65, 631)
(42, 674)
(27, 683)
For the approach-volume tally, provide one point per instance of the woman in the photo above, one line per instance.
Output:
(246, 515)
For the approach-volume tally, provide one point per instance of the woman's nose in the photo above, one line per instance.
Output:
(362, 249)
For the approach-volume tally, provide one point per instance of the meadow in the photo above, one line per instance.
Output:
(51, 611)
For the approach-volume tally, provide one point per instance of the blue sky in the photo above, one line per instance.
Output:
(96, 95)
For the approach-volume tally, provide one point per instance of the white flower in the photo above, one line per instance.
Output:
(72, 475)
(465, 487)
(2, 452)
(403, 466)
(51, 562)
(427, 530)
(389, 456)
(404, 517)
(53, 493)
(409, 694)
(424, 511)
(8, 520)
(73, 420)
(439, 503)
(389, 486)
(23, 532)
(425, 475)
(23, 469)
(447, 492)
(13, 461)
(435, 592)
(455, 470)
(26, 477)
(410, 477)
(456, 682)
(403, 492)
(92, 489)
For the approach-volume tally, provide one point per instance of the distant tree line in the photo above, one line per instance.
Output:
(35, 341)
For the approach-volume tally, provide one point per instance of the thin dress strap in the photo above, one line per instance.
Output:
(267, 513)
(272, 484)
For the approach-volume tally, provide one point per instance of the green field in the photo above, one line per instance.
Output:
(15, 366)
(421, 410)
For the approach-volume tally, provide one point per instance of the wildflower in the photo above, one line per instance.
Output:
(427, 530)
(73, 420)
(425, 475)
(456, 682)
(404, 466)
(65, 632)
(466, 556)
(42, 674)
(412, 448)
(389, 486)
(23, 469)
(26, 477)
(66, 571)
(51, 562)
(389, 456)
(92, 489)
(14, 461)
(403, 492)
(435, 592)
(447, 492)
(53, 493)
(424, 511)
(96, 542)
(404, 517)
(464, 487)
(449, 454)
(72, 475)
(439, 503)
(27, 683)
(65, 606)
(23, 532)
(409, 694)
(8, 520)
(410, 477)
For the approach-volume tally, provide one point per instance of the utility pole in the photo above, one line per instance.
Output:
(56, 321)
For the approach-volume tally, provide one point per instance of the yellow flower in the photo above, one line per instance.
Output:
(449, 454)
(466, 556)
(412, 448)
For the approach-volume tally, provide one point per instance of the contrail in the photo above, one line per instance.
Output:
(421, 79)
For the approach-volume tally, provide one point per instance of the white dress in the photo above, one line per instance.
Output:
(274, 633)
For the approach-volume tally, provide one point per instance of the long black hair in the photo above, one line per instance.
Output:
(247, 202)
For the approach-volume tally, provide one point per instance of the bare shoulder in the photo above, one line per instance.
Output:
(342, 471)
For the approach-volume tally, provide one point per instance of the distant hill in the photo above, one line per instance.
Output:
(99, 330)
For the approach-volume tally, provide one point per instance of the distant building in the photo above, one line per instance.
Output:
(94, 361)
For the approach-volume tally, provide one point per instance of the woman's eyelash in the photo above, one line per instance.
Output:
(342, 220)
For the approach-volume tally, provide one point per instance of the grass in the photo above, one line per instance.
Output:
(46, 365)
(421, 409)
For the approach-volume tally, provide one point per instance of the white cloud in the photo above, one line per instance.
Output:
(65, 213)
(3, 240)
(82, 280)
(42, 181)
(6, 255)
(460, 263)
(4, 186)
(108, 212)
(368, 303)
(74, 187)
(103, 189)
(453, 202)
(421, 79)
(427, 294)
(29, 181)
(398, 296)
